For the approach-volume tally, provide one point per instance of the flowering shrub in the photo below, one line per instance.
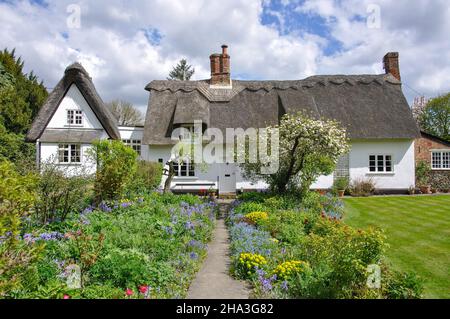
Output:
(246, 238)
(254, 218)
(16, 256)
(248, 207)
(286, 270)
(249, 263)
(150, 247)
(310, 252)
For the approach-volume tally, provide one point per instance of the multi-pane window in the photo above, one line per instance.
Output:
(69, 153)
(134, 144)
(440, 160)
(74, 117)
(184, 169)
(380, 164)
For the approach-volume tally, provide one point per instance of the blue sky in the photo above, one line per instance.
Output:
(126, 44)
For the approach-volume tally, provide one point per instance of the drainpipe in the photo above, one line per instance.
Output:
(38, 155)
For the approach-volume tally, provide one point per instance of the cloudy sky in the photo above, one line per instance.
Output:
(126, 44)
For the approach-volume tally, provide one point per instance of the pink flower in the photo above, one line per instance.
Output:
(66, 297)
(143, 289)
(129, 292)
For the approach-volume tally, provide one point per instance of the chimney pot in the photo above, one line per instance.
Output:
(224, 49)
(220, 68)
(391, 64)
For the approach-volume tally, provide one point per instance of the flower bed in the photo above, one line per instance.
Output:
(137, 248)
(304, 250)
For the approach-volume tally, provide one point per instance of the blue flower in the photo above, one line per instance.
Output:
(169, 230)
(125, 205)
(193, 256)
(189, 225)
(104, 207)
(284, 285)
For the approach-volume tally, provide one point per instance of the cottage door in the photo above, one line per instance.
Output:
(227, 179)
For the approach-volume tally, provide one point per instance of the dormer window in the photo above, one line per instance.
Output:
(75, 117)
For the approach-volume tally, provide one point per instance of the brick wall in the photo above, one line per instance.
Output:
(439, 179)
(423, 147)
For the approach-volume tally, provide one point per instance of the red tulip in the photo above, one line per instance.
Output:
(129, 292)
(143, 289)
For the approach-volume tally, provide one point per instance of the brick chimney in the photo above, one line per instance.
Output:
(391, 65)
(220, 68)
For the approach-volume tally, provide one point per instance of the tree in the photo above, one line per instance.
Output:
(308, 148)
(181, 72)
(435, 118)
(21, 97)
(20, 101)
(125, 113)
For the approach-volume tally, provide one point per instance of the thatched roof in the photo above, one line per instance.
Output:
(74, 74)
(369, 106)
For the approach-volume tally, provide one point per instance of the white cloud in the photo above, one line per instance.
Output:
(113, 47)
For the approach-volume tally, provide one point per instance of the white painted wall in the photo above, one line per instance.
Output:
(74, 100)
(135, 133)
(402, 152)
(49, 154)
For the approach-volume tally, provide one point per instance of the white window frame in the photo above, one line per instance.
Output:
(441, 159)
(384, 171)
(190, 169)
(76, 116)
(69, 148)
(135, 144)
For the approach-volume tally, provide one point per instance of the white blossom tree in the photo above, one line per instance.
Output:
(308, 148)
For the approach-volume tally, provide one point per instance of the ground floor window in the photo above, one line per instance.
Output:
(440, 159)
(134, 144)
(69, 153)
(380, 163)
(184, 169)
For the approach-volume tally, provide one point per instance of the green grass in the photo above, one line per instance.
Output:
(418, 234)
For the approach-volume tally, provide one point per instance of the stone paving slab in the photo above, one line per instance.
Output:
(213, 280)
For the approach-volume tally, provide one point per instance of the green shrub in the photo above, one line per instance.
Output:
(248, 207)
(257, 197)
(17, 258)
(147, 178)
(287, 226)
(116, 166)
(401, 285)
(130, 268)
(341, 183)
(341, 254)
(59, 195)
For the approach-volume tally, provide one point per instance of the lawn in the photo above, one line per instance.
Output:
(418, 232)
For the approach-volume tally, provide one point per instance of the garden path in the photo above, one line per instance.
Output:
(213, 280)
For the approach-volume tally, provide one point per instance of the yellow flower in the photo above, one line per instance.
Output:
(255, 217)
(289, 268)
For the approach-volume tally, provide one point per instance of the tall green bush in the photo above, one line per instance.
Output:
(17, 195)
(59, 195)
(146, 179)
(116, 167)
